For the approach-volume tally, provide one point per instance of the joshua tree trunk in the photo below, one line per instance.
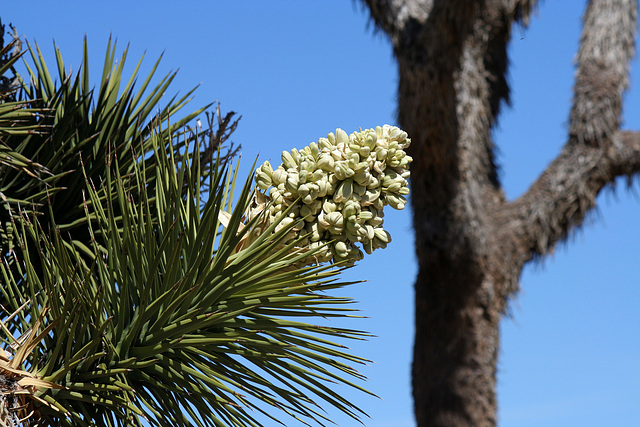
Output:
(471, 242)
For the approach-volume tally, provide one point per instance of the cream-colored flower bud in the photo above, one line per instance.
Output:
(341, 249)
(365, 215)
(356, 230)
(288, 161)
(396, 202)
(387, 180)
(363, 178)
(379, 166)
(343, 170)
(314, 150)
(335, 222)
(354, 159)
(302, 176)
(394, 187)
(325, 145)
(279, 176)
(378, 203)
(266, 168)
(379, 131)
(370, 196)
(382, 145)
(264, 175)
(296, 155)
(303, 190)
(322, 186)
(371, 232)
(344, 191)
(292, 183)
(337, 154)
(393, 162)
(370, 139)
(350, 209)
(376, 221)
(313, 188)
(314, 231)
(373, 184)
(322, 221)
(392, 175)
(263, 180)
(326, 162)
(284, 223)
(351, 237)
(358, 189)
(382, 235)
(329, 206)
(317, 175)
(341, 137)
(360, 167)
(396, 134)
(308, 165)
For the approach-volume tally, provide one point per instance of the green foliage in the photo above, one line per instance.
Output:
(78, 129)
(129, 291)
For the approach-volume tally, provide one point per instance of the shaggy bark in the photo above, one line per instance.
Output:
(471, 243)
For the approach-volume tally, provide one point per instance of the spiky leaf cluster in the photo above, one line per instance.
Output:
(333, 192)
(124, 299)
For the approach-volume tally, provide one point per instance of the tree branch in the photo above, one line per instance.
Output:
(393, 16)
(596, 152)
(606, 48)
(625, 156)
(559, 200)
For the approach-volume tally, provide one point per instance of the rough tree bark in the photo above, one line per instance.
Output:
(472, 243)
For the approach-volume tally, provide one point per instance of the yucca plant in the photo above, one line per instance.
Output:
(141, 281)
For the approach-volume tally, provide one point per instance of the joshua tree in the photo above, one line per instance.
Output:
(137, 287)
(471, 243)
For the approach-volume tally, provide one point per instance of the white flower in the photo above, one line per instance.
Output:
(338, 188)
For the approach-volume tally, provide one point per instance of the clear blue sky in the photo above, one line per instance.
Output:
(296, 70)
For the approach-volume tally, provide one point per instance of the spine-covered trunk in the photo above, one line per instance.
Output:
(450, 88)
(457, 342)
(444, 104)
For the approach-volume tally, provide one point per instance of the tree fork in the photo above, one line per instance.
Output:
(471, 243)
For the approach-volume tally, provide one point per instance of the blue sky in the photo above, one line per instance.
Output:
(297, 70)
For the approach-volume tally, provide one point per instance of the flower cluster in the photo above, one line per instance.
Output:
(338, 188)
